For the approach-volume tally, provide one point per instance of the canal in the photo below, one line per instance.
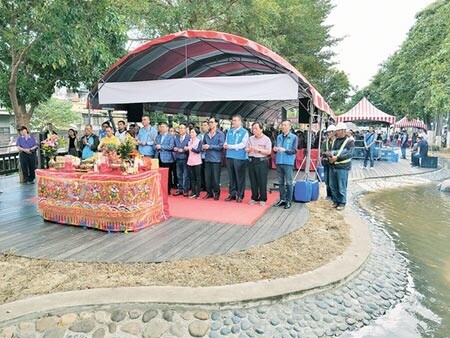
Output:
(418, 219)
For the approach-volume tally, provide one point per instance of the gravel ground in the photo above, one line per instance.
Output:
(324, 237)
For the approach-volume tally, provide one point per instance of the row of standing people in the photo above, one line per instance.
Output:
(196, 157)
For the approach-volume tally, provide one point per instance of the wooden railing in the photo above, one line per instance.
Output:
(9, 161)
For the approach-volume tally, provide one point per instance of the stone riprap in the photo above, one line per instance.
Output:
(378, 286)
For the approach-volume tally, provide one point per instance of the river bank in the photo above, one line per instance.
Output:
(382, 283)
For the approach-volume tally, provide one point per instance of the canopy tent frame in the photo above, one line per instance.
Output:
(407, 123)
(365, 111)
(242, 51)
(252, 58)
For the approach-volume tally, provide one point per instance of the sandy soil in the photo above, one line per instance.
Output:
(324, 237)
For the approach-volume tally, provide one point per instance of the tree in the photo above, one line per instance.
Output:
(45, 43)
(415, 81)
(54, 111)
(335, 86)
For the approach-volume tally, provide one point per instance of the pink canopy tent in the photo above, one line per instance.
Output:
(365, 111)
(405, 123)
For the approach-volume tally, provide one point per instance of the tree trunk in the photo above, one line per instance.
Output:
(439, 120)
(448, 131)
(23, 117)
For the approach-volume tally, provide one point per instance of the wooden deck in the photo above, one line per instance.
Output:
(23, 230)
(384, 169)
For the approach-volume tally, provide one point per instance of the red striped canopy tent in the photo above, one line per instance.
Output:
(365, 111)
(206, 73)
(405, 123)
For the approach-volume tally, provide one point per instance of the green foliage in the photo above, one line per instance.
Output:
(126, 148)
(58, 112)
(336, 86)
(157, 117)
(415, 81)
(46, 43)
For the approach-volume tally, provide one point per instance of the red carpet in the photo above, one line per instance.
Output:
(220, 211)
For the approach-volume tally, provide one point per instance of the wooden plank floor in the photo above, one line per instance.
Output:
(385, 169)
(24, 231)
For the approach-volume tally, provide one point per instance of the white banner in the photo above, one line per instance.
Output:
(221, 88)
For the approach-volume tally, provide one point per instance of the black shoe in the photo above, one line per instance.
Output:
(207, 196)
(288, 205)
(230, 198)
(178, 193)
(239, 200)
(216, 198)
(279, 203)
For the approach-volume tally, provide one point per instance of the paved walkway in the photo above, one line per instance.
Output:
(373, 285)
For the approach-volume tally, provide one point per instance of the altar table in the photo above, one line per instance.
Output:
(109, 202)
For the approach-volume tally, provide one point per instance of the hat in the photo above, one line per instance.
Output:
(341, 126)
(331, 127)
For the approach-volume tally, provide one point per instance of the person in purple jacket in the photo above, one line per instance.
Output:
(27, 145)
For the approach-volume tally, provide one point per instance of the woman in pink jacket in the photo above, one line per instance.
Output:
(194, 162)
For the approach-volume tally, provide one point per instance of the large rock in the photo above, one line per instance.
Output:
(85, 326)
(156, 328)
(198, 328)
(445, 186)
(46, 323)
(133, 328)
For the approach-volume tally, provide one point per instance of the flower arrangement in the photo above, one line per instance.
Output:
(127, 148)
(51, 145)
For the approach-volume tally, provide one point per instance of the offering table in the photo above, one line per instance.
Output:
(106, 201)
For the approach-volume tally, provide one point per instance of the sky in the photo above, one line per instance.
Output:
(373, 30)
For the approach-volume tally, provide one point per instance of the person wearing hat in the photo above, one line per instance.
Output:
(340, 159)
(27, 145)
(327, 145)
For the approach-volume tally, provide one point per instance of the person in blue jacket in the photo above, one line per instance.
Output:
(286, 149)
(369, 148)
(213, 142)
(235, 142)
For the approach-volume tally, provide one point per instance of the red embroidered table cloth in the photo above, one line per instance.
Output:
(110, 202)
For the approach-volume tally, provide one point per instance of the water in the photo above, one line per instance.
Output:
(418, 218)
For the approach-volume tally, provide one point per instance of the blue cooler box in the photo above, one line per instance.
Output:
(394, 157)
(306, 191)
